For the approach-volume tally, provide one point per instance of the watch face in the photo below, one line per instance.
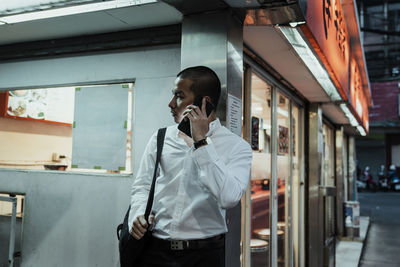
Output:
(200, 143)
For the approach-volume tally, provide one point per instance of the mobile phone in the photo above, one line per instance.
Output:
(184, 125)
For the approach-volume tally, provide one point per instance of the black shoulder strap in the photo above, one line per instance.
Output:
(160, 144)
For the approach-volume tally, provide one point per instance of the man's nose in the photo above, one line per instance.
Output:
(172, 103)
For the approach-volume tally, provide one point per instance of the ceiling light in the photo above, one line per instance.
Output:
(72, 10)
(294, 24)
(311, 61)
(353, 121)
(23, 6)
(361, 130)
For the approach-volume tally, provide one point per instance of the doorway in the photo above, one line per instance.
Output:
(276, 137)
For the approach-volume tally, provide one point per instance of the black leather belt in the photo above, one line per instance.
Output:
(212, 242)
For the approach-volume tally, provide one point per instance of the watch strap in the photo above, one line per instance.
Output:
(200, 143)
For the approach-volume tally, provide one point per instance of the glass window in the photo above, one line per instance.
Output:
(328, 172)
(79, 128)
(284, 172)
(328, 163)
(289, 169)
(260, 171)
(297, 190)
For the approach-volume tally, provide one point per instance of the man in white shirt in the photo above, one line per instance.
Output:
(199, 177)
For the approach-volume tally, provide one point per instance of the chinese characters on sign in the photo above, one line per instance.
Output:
(357, 95)
(333, 16)
(326, 28)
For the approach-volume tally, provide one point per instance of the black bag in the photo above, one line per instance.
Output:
(129, 248)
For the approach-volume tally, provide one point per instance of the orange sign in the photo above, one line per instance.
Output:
(326, 23)
(358, 98)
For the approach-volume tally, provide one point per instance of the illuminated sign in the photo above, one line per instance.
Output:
(358, 98)
(326, 29)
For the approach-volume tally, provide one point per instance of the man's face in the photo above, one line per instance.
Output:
(182, 97)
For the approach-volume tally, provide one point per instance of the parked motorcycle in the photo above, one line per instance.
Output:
(366, 181)
(383, 181)
(394, 180)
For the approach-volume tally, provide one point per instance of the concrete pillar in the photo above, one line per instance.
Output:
(345, 168)
(340, 157)
(215, 40)
(352, 190)
(315, 203)
(246, 204)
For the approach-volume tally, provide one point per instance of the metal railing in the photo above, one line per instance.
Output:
(11, 254)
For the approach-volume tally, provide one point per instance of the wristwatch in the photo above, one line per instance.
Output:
(200, 143)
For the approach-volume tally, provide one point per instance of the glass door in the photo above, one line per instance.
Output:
(328, 181)
(284, 179)
(275, 198)
(297, 249)
(260, 171)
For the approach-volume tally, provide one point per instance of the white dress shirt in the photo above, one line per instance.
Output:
(194, 186)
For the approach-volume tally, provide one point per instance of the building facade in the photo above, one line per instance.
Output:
(379, 23)
(381, 146)
(294, 85)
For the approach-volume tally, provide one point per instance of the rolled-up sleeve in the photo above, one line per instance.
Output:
(226, 181)
(142, 182)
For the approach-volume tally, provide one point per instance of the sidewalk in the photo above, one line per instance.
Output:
(348, 252)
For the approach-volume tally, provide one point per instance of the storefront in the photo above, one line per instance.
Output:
(301, 193)
(275, 121)
(281, 90)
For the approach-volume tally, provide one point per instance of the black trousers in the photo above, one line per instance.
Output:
(204, 257)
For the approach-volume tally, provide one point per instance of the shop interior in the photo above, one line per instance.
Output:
(60, 128)
(288, 175)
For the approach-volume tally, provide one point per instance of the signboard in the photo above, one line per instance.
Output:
(235, 114)
(50, 104)
(283, 140)
(255, 122)
(358, 98)
(326, 23)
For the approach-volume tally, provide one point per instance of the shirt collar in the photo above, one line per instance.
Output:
(214, 125)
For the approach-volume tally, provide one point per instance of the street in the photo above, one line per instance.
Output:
(383, 242)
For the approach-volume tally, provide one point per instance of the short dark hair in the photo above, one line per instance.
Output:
(205, 82)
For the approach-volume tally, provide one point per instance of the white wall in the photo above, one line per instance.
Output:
(23, 141)
(70, 218)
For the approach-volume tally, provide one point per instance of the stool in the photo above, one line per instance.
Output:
(265, 233)
(281, 226)
(259, 253)
(281, 242)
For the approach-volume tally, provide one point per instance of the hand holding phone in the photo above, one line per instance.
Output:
(184, 125)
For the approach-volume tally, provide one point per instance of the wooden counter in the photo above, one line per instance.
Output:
(260, 207)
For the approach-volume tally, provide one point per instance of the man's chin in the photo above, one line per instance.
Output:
(177, 120)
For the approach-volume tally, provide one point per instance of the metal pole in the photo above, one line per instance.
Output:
(13, 201)
(273, 203)
(386, 38)
(315, 199)
(289, 251)
(362, 23)
(246, 204)
(12, 232)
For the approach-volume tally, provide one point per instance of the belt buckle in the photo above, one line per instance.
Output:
(176, 245)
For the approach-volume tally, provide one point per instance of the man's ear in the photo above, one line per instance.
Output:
(208, 98)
